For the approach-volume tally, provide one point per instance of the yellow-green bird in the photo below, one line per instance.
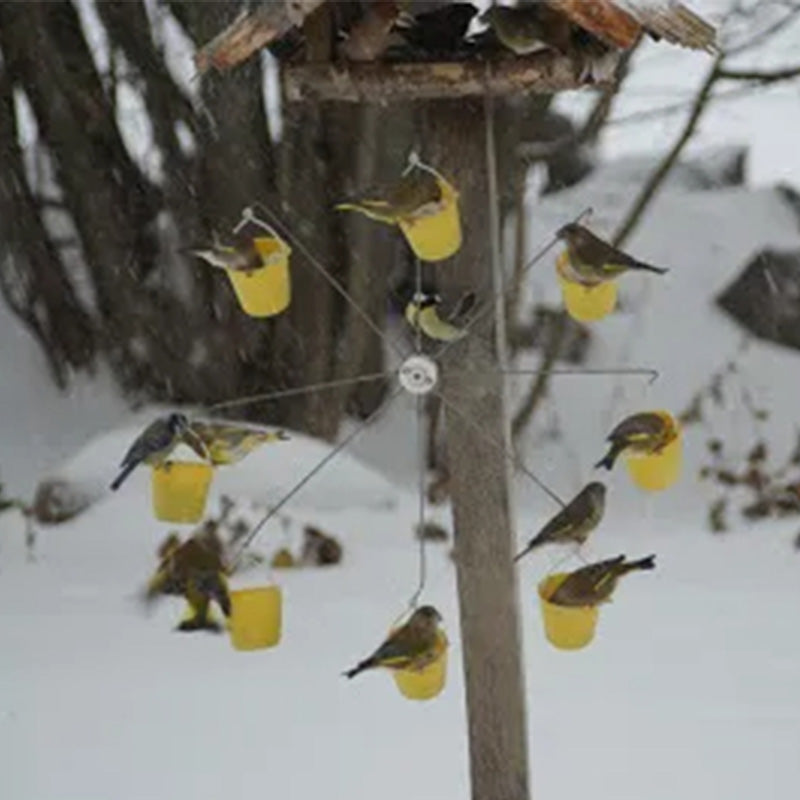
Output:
(595, 583)
(242, 256)
(574, 522)
(422, 312)
(417, 194)
(526, 29)
(646, 432)
(592, 261)
(230, 442)
(412, 646)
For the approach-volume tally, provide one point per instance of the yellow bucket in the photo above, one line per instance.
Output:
(265, 291)
(566, 627)
(428, 682)
(438, 236)
(586, 303)
(256, 616)
(655, 472)
(180, 490)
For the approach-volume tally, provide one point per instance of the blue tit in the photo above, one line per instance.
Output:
(574, 522)
(646, 432)
(153, 445)
(595, 583)
(412, 646)
(421, 312)
(417, 194)
(591, 261)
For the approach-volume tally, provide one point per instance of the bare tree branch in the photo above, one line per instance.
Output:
(759, 76)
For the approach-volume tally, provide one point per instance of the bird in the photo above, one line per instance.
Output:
(574, 522)
(242, 256)
(229, 442)
(592, 261)
(595, 583)
(526, 29)
(417, 194)
(421, 313)
(414, 645)
(195, 570)
(646, 432)
(371, 35)
(154, 445)
(437, 33)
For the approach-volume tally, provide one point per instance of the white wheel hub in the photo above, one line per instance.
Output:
(418, 374)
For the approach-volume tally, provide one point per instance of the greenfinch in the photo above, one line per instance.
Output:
(526, 29)
(646, 432)
(195, 570)
(595, 583)
(228, 442)
(413, 645)
(574, 522)
(242, 256)
(591, 261)
(417, 194)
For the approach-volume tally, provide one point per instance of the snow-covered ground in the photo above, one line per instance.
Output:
(689, 690)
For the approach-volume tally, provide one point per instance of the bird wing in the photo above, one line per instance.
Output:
(606, 20)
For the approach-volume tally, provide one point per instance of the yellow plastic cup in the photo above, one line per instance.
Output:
(265, 291)
(180, 490)
(566, 627)
(438, 236)
(256, 617)
(655, 472)
(585, 303)
(428, 682)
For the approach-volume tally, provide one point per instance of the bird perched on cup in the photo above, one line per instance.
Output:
(591, 261)
(229, 442)
(194, 570)
(526, 29)
(417, 194)
(646, 433)
(422, 314)
(241, 256)
(155, 443)
(595, 583)
(574, 522)
(414, 645)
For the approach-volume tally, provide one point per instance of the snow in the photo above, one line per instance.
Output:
(689, 690)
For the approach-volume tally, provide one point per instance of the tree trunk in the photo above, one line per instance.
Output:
(453, 132)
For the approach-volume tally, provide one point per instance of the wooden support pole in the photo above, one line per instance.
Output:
(453, 134)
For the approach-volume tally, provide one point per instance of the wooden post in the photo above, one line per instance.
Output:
(453, 137)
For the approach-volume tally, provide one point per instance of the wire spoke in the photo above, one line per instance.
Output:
(512, 457)
(299, 390)
(652, 374)
(490, 306)
(306, 478)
